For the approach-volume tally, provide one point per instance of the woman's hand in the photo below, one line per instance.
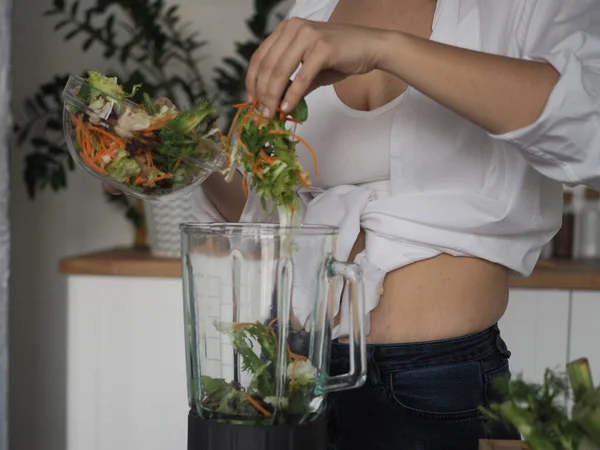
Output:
(328, 54)
(498, 93)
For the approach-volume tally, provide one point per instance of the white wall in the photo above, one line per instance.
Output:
(75, 221)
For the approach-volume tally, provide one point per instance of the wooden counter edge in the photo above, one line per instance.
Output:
(567, 275)
(121, 262)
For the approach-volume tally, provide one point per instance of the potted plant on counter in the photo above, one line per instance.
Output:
(540, 412)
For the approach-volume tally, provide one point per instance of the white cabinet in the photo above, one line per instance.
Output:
(536, 330)
(126, 386)
(585, 329)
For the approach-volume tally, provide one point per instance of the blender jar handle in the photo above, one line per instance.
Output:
(357, 374)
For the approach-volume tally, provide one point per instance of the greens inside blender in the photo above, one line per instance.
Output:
(259, 399)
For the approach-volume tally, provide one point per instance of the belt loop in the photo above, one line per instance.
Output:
(372, 367)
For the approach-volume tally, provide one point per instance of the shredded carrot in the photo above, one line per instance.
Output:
(139, 180)
(296, 357)
(293, 381)
(273, 322)
(268, 159)
(114, 146)
(302, 180)
(239, 134)
(78, 122)
(289, 119)
(176, 166)
(235, 119)
(219, 134)
(149, 159)
(105, 133)
(256, 170)
(257, 406)
(242, 105)
(237, 326)
(299, 139)
(84, 146)
(245, 186)
(160, 123)
(79, 138)
(93, 165)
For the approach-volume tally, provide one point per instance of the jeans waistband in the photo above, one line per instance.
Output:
(397, 357)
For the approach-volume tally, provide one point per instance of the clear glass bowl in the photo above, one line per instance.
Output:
(105, 129)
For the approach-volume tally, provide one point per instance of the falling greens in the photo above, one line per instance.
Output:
(256, 345)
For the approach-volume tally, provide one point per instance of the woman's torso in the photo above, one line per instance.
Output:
(434, 297)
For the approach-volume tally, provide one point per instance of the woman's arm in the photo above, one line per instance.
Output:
(549, 110)
(498, 93)
(226, 197)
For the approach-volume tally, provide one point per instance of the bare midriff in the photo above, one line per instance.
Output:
(438, 298)
(441, 297)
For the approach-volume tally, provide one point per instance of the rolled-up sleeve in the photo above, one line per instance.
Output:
(564, 143)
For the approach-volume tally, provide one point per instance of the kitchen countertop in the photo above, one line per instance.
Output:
(129, 262)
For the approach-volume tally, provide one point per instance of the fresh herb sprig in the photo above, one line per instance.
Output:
(539, 411)
(266, 151)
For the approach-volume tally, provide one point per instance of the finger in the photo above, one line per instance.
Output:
(277, 68)
(256, 59)
(108, 188)
(303, 82)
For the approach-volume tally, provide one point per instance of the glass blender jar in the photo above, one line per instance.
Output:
(258, 301)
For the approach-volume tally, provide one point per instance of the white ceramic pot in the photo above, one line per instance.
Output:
(163, 220)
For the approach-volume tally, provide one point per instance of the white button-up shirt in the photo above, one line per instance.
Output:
(454, 188)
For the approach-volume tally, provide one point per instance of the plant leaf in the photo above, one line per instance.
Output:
(88, 43)
(41, 102)
(57, 150)
(61, 24)
(72, 34)
(39, 142)
(30, 107)
(75, 8)
(171, 12)
(110, 24)
(54, 124)
(58, 179)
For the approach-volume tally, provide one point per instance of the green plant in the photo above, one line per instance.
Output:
(142, 38)
(540, 414)
(149, 44)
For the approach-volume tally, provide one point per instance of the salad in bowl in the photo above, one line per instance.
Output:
(150, 151)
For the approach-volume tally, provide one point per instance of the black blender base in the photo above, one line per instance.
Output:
(210, 435)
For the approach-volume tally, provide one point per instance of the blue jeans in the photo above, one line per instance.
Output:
(423, 396)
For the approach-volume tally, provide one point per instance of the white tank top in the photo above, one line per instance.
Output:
(352, 146)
